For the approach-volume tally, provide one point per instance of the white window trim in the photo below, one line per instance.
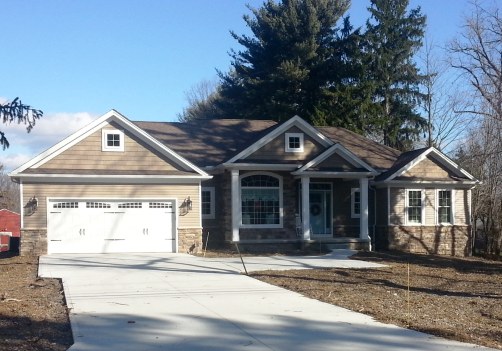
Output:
(211, 214)
(452, 207)
(105, 147)
(406, 205)
(352, 203)
(294, 135)
(281, 206)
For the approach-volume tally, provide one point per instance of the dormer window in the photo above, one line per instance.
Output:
(294, 142)
(112, 140)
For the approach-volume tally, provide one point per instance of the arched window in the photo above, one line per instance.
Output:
(261, 200)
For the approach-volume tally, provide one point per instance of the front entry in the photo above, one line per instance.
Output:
(320, 208)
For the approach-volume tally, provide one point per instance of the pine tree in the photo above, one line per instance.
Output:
(392, 38)
(286, 66)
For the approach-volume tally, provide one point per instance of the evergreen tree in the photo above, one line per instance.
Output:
(286, 67)
(392, 37)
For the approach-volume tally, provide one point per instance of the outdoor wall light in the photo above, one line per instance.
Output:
(31, 206)
(188, 203)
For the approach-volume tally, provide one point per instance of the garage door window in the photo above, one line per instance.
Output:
(160, 205)
(97, 205)
(130, 205)
(65, 205)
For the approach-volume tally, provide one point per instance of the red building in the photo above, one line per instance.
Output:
(10, 225)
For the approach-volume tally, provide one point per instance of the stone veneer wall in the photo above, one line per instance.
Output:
(33, 242)
(189, 240)
(442, 240)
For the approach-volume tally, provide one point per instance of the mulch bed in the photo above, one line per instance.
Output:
(455, 298)
(33, 313)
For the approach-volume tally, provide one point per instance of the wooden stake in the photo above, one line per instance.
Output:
(239, 251)
(205, 248)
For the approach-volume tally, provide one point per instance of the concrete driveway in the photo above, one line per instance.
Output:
(146, 302)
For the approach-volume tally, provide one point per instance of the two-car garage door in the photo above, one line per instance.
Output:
(104, 226)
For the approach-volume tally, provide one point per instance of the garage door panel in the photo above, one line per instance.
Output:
(111, 226)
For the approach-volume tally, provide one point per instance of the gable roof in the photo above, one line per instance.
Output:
(30, 167)
(408, 160)
(296, 121)
(213, 142)
(347, 155)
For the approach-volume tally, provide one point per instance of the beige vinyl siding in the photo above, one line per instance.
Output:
(111, 191)
(427, 169)
(276, 149)
(88, 154)
(336, 161)
(430, 207)
(397, 206)
(461, 206)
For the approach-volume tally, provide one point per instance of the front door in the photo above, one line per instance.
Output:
(320, 208)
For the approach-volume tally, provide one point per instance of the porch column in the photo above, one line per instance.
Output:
(363, 220)
(236, 208)
(305, 208)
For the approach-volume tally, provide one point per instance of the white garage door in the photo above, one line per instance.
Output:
(99, 226)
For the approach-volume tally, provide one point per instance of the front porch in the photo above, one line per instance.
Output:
(332, 210)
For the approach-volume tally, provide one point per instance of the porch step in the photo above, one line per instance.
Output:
(342, 243)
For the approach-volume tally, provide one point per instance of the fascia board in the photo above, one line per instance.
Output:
(435, 183)
(295, 121)
(60, 147)
(110, 116)
(260, 166)
(345, 153)
(333, 174)
(153, 179)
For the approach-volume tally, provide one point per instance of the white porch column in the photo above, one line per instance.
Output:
(363, 220)
(306, 208)
(236, 208)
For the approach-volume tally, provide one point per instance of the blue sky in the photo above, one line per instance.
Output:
(78, 59)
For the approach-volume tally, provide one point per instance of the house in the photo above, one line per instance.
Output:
(122, 186)
(10, 224)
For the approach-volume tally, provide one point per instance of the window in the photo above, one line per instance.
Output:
(65, 205)
(261, 200)
(444, 207)
(112, 140)
(355, 203)
(207, 203)
(415, 206)
(294, 142)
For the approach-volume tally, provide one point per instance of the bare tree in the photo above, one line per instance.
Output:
(477, 54)
(201, 100)
(17, 112)
(445, 126)
(9, 192)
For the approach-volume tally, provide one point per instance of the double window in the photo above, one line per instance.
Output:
(261, 200)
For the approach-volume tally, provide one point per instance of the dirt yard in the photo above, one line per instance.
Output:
(33, 315)
(459, 299)
(455, 298)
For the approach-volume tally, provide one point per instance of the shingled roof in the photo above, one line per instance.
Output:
(212, 142)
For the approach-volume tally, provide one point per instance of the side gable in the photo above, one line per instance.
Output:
(428, 165)
(296, 122)
(81, 153)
